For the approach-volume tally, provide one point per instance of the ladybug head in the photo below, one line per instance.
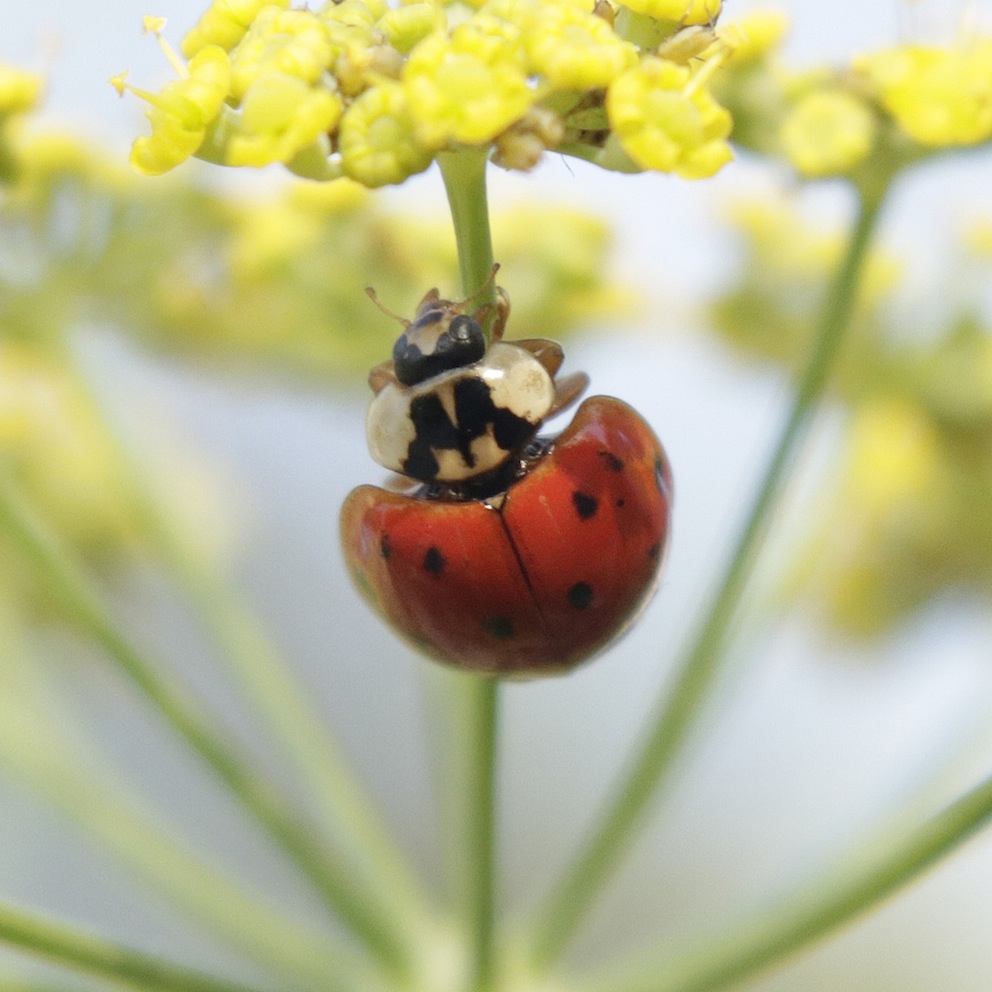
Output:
(439, 339)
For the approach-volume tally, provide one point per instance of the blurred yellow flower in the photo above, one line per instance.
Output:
(938, 96)
(681, 11)
(828, 133)
(19, 90)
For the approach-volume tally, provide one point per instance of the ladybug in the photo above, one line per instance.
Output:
(503, 552)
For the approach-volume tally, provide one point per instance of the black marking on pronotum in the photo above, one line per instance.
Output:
(580, 595)
(475, 415)
(434, 561)
(461, 343)
(499, 627)
(585, 505)
(385, 547)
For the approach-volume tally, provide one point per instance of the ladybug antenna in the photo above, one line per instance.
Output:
(482, 288)
(373, 296)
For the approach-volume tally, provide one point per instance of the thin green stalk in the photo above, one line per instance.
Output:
(478, 697)
(341, 887)
(481, 702)
(277, 697)
(69, 947)
(464, 174)
(677, 710)
(821, 908)
(60, 768)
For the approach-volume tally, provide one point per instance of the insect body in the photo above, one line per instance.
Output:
(516, 554)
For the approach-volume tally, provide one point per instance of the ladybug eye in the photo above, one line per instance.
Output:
(428, 348)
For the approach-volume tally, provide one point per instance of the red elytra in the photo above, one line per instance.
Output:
(535, 580)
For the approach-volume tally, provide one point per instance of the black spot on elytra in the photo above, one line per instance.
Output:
(654, 551)
(585, 505)
(385, 547)
(613, 463)
(620, 503)
(499, 627)
(434, 561)
(475, 416)
(580, 595)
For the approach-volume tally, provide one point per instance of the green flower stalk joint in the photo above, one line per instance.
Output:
(376, 92)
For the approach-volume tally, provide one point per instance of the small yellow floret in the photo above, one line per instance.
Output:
(937, 96)
(225, 23)
(828, 133)
(665, 123)
(680, 11)
(469, 87)
(377, 140)
(280, 117)
(282, 42)
(405, 26)
(182, 112)
(573, 49)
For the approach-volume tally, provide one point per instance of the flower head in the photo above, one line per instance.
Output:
(662, 122)
(828, 132)
(374, 91)
(938, 96)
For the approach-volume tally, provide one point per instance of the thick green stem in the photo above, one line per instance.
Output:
(66, 946)
(677, 710)
(477, 700)
(338, 883)
(464, 174)
(822, 907)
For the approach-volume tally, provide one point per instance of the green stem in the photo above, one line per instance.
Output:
(840, 897)
(464, 174)
(676, 712)
(276, 696)
(61, 768)
(71, 948)
(338, 883)
(478, 697)
(480, 801)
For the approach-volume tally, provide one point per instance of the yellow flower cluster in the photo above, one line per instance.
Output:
(373, 91)
(882, 111)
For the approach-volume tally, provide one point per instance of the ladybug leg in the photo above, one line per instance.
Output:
(567, 390)
(382, 375)
(548, 353)
(501, 308)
